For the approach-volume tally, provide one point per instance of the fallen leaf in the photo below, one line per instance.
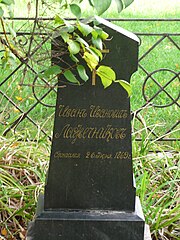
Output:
(15, 109)
(19, 98)
(177, 66)
(4, 232)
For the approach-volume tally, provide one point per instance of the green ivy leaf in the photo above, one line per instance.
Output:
(100, 6)
(73, 47)
(82, 72)
(98, 32)
(127, 3)
(91, 3)
(70, 76)
(76, 10)
(74, 58)
(104, 35)
(126, 86)
(97, 42)
(1, 12)
(53, 70)
(93, 53)
(84, 29)
(65, 36)
(97, 52)
(107, 75)
(69, 27)
(94, 34)
(91, 60)
(7, 2)
(82, 41)
(119, 5)
(58, 20)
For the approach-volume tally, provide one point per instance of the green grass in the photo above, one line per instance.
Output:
(22, 175)
(23, 166)
(148, 9)
(157, 179)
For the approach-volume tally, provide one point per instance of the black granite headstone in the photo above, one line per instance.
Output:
(90, 192)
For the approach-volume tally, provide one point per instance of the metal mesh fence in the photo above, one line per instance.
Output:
(27, 101)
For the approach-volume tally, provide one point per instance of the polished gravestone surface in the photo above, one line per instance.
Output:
(90, 192)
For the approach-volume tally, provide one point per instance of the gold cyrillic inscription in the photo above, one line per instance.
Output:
(98, 155)
(98, 112)
(106, 133)
(103, 156)
(92, 112)
(122, 155)
(59, 154)
(66, 111)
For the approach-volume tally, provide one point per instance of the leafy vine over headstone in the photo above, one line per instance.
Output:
(83, 40)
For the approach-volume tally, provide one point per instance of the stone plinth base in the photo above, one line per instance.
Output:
(147, 234)
(87, 225)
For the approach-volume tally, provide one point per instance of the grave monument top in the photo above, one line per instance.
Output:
(90, 192)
